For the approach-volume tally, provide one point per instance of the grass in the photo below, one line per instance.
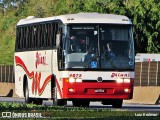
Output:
(57, 112)
(8, 23)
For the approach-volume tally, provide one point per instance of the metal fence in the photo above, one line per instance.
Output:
(147, 73)
(7, 74)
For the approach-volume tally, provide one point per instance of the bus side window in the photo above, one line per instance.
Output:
(18, 35)
(32, 41)
(38, 35)
(41, 28)
(42, 36)
(29, 37)
(55, 33)
(48, 35)
(51, 35)
(24, 38)
(45, 39)
(34, 37)
(21, 37)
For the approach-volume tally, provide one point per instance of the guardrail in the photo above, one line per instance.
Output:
(146, 73)
(7, 73)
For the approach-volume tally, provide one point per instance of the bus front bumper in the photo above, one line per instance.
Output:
(97, 90)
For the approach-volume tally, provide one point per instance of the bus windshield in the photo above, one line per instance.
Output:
(98, 46)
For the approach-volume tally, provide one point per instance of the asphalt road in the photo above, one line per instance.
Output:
(97, 105)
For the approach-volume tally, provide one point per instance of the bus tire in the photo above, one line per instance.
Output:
(85, 103)
(76, 103)
(81, 103)
(37, 101)
(26, 94)
(59, 102)
(117, 103)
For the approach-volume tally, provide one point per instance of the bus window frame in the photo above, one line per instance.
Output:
(54, 25)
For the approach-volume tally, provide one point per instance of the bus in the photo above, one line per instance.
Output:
(50, 63)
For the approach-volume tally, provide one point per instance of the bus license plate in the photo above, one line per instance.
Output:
(99, 90)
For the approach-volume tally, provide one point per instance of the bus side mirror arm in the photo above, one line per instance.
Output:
(58, 36)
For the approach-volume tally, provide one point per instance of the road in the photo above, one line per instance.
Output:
(97, 105)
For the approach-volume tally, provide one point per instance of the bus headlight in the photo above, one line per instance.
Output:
(71, 80)
(119, 80)
(78, 80)
(123, 80)
(126, 80)
(127, 90)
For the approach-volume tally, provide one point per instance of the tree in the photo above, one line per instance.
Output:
(40, 12)
(2, 7)
(145, 16)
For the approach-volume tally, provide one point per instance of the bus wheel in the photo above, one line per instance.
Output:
(26, 94)
(76, 103)
(85, 103)
(37, 101)
(81, 103)
(117, 103)
(59, 102)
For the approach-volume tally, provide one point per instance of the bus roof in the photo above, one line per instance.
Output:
(80, 18)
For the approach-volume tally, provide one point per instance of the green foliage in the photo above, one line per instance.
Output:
(62, 112)
(99, 6)
(40, 12)
(71, 113)
(145, 15)
(6, 23)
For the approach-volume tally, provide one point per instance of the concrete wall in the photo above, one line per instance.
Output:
(7, 89)
(145, 95)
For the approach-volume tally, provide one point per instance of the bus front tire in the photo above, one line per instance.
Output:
(81, 103)
(117, 103)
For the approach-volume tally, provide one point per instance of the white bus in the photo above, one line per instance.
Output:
(77, 57)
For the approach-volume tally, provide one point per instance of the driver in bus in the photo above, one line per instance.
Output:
(109, 54)
(89, 54)
(75, 45)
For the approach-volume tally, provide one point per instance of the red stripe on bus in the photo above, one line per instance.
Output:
(35, 79)
(58, 86)
(47, 80)
(19, 62)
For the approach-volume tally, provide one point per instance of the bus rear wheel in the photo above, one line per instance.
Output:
(37, 101)
(26, 94)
